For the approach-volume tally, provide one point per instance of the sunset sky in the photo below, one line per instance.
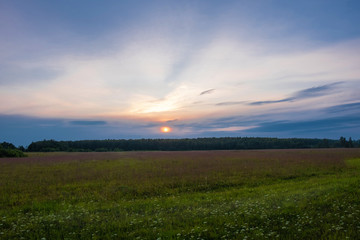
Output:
(72, 70)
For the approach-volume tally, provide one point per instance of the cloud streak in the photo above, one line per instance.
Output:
(303, 94)
(229, 103)
(87, 123)
(316, 91)
(207, 91)
(272, 101)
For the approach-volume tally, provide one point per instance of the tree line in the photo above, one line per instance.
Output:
(185, 144)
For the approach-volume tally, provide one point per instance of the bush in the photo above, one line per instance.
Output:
(10, 152)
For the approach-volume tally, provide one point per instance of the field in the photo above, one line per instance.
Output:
(257, 194)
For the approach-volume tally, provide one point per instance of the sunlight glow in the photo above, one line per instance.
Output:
(165, 129)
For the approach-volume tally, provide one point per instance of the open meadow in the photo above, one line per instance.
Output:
(243, 194)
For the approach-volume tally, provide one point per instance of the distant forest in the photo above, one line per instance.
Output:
(223, 143)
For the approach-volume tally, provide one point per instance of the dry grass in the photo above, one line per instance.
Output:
(151, 173)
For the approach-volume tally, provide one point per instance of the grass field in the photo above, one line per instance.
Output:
(260, 194)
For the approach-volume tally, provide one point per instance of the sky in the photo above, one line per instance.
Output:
(73, 70)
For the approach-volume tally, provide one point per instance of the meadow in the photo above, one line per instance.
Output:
(240, 194)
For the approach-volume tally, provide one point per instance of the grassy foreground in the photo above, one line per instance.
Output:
(263, 194)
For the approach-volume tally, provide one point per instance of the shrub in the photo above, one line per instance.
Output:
(9, 152)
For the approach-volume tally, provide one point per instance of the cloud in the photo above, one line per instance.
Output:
(207, 91)
(124, 82)
(294, 123)
(229, 103)
(87, 122)
(326, 127)
(322, 122)
(172, 120)
(345, 108)
(11, 74)
(22, 130)
(303, 94)
(271, 102)
(316, 91)
(231, 129)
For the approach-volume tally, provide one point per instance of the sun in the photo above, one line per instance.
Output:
(165, 129)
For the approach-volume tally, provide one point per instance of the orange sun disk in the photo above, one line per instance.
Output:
(165, 129)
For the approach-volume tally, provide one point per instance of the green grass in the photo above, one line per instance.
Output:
(284, 194)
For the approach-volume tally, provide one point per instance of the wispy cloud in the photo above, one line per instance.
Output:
(207, 91)
(316, 91)
(231, 129)
(345, 108)
(87, 122)
(229, 103)
(272, 101)
(326, 127)
(304, 94)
